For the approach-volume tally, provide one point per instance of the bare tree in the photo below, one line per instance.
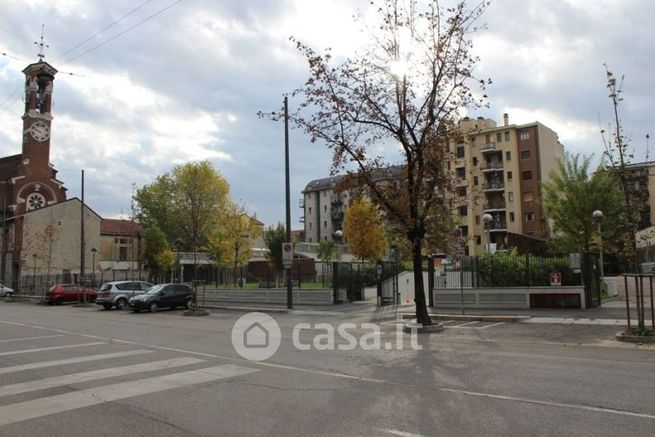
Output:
(402, 97)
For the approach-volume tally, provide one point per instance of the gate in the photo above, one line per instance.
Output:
(591, 279)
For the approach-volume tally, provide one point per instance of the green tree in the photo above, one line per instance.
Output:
(327, 251)
(155, 244)
(571, 195)
(363, 230)
(187, 204)
(407, 91)
(274, 236)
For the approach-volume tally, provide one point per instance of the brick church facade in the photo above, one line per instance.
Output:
(41, 228)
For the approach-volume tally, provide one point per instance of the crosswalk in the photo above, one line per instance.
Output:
(91, 373)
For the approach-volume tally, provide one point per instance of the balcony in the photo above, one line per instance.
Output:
(498, 226)
(489, 147)
(493, 186)
(494, 206)
(301, 202)
(491, 166)
(336, 199)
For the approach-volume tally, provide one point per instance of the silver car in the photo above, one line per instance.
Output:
(5, 291)
(118, 293)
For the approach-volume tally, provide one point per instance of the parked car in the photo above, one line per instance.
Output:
(163, 296)
(5, 291)
(118, 293)
(60, 293)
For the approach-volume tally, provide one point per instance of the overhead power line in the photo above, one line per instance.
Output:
(161, 11)
(103, 29)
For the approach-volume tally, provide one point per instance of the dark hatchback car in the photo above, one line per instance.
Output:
(163, 296)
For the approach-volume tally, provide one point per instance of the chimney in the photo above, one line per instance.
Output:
(506, 119)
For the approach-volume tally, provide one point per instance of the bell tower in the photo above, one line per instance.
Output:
(35, 184)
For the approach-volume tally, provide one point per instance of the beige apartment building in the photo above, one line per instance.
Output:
(499, 171)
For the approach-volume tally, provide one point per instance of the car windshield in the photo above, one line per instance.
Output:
(105, 287)
(155, 289)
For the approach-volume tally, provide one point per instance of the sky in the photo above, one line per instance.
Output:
(144, 85)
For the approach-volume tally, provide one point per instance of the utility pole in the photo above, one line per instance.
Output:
(4, 237)
(82, 243)
(288, 194)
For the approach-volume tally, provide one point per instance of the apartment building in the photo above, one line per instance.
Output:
(499, 171)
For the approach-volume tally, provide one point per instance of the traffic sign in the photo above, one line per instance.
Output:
(287, 255)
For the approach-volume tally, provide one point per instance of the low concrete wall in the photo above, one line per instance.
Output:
(498, 298)
(266, 295)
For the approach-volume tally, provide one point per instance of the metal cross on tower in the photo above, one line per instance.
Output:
(41, 44)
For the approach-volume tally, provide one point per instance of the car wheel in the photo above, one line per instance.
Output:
(107, 306)
(8, 294)
(188, 304)
(59, 301)
(121, 303)
(153, 307)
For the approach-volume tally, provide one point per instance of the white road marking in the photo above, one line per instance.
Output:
(58, 381)
(51, 348)
(464, 324)
(94, 396)
(84, 359)
(493, 324)
(400, 433)
(549, 404)
(31, 338)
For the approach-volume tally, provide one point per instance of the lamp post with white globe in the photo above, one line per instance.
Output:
(487, 219)
(598, 217)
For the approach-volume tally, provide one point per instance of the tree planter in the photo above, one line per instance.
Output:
(422, 329)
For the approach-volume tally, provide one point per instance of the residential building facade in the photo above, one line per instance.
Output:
(498, 170)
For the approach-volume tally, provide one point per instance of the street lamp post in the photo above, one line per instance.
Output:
(487, 219)
(93, 251)
(598, 216)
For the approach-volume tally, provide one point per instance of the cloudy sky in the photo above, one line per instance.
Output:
(146, 84)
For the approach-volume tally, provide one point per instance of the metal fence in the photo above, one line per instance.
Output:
(506, 270)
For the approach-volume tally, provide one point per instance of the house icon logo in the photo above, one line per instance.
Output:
(256, 336)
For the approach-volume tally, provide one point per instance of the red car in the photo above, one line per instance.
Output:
(60, 293)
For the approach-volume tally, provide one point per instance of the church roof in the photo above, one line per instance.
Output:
(120, 227)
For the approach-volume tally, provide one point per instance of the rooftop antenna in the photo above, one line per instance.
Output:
(41, 45)
(647, 138)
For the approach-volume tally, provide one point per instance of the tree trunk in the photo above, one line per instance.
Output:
(422, 315)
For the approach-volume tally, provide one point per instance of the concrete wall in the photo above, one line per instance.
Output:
(53, 235)
(498, 298)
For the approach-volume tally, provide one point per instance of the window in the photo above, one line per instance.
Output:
(508, 156)
(529, 216)
(477, 219)
(310, 210)
(475, 180)
(487, 138)
(463, 211)
(310, 225)
(460, 151)
(324, 223)
(499, 137)
(461, 172)
(509, 176)
(478, 240)
(525, 154)
(475, 160)
(472, 140)
(528, 196)
(526, 175)
(461, 191)
(524, 135)
(510, 197)
(511, 217)
(464, 231)
(122, 253)
(324, 208)
(507, 135)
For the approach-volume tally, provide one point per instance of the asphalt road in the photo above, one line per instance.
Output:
(68, 371)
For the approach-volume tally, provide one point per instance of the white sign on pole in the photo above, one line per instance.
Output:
(287, 255)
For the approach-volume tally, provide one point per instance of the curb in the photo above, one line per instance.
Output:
(246, 309)
(476, 318)
(637, 339)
